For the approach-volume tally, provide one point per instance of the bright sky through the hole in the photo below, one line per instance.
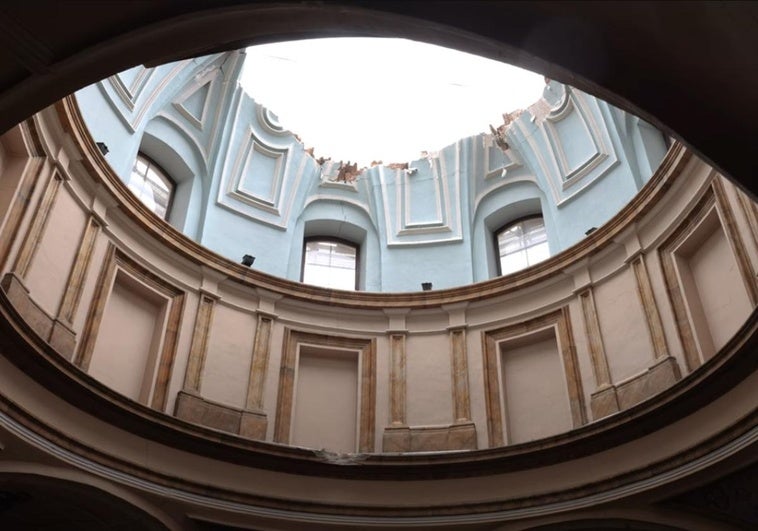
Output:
(363, 99)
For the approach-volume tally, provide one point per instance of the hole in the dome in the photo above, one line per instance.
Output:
(433, 166)
(368, 99)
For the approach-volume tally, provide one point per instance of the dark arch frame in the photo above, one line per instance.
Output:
(680, 65)
(656, 65)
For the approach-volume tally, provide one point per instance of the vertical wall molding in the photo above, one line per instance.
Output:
(31, 178)
(398, 408)
(750, 210)
(567, 346)
(199, 345)
(595, 339)
(254, 422)
(735, 240)
(673, 287)
(459, 369)
(561, 321)
(259, 363)
(34, 235)
(75, 284)
(97, 307)
(603, 400)
(650, 307)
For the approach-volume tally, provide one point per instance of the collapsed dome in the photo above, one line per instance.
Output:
(187, 366)
(486, 205)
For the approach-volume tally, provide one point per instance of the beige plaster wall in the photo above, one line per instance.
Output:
(90, 283)
(227, 362)
(583, 358)
(534, 392)
(325, 408)
(128, 340)
(534, 386)
(382, 387)
(476, 385)
(429, 392)
(271, 386)
(48, 272)
(713, 282)
(622, 325)
(176, 382)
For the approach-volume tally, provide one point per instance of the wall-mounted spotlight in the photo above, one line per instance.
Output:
(248, 260)
(426, 286)
(102, 147)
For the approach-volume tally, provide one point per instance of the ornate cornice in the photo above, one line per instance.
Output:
(670, 168)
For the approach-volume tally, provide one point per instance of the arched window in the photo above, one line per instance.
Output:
(521, 244)
(330, 263)
(151, 185)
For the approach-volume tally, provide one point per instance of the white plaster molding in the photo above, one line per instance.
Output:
(269, 122)
(338, 199)
(339, 185)
(599, 163)
(508, 181)
(135, 115)
(197, 121)
(400, 230)
(513, 160)
(405, 202)
(130, 93)
(273, 210)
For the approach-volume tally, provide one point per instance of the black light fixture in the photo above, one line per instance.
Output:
(590, 231)
(248, 260)
(102, 147)
(426, 286)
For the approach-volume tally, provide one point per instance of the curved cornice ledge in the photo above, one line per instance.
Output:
(672, 165)
(714, 384)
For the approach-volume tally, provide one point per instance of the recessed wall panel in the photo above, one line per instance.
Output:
(227, 362)
(429, 383)
(326, 400)
(50, 267)
(535, 395)
(626, 340)
(574, 139)
(715, 293)
(128, 340)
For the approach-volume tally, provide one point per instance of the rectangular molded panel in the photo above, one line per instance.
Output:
(429, 389)
(714, 291)
(423, 197)
(535, 396)
(626, 339)
(573, 138)
(50, 267)
(227, 362)
(128, 339)
(325, 410)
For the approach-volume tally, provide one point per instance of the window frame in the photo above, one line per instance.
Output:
(506, 226)
(162, 173)
(332, 239)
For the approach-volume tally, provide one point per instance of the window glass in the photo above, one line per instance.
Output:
(330, 264)
(151, 185)
(522, 244)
